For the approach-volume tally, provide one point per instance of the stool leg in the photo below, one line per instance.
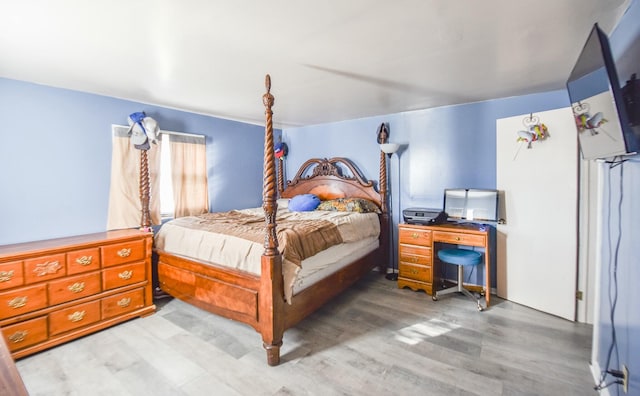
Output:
(465, 291)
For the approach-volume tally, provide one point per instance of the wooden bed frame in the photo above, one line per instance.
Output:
(259, 300)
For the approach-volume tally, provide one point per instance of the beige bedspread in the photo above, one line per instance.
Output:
(298, 237)
(196, 238)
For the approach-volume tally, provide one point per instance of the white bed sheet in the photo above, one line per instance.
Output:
(328, 261)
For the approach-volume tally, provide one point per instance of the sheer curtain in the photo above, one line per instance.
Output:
(189, 174)
(125, 208)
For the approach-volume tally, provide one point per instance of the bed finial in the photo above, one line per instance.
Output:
(267, 98)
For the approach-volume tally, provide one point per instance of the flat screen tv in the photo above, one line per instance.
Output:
(471, 204)
(596, 99)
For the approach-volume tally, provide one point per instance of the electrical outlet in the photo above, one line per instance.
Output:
(625, 379)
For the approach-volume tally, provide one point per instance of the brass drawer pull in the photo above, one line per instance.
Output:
(47, 268)
(415, 235)
(18, 302)
(5, 276)
(84, 260)
(76, 287)
(76, 316)
(18, 336)
(125, 275)
(126, 252)
(458, 238)
(125, 302)
(414, 272)
(413, 259)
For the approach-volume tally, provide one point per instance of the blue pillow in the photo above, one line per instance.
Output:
(304, 203)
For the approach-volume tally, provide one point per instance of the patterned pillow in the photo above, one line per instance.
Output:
(304, 203)
(359, 205)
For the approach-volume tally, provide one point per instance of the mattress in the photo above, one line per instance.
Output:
(359, 232)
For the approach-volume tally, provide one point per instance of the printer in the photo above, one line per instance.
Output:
(424, 216)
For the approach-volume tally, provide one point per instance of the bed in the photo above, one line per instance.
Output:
(269, 291)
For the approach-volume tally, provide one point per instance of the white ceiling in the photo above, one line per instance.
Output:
(329, 60)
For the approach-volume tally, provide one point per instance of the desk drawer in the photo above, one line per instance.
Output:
(416, 272)
(459, 238)
(414, 236)
(415, 254)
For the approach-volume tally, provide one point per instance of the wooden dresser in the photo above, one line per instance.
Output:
(57, 290)
(416, 252)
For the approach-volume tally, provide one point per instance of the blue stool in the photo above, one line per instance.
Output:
(462, 258)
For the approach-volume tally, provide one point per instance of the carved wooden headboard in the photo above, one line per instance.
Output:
(329, 179)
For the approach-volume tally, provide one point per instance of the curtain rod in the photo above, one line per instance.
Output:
(167, 132)
(182, 134)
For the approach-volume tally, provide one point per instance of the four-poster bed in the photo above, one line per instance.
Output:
(265, 298)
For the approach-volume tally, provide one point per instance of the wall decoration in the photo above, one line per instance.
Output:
(534, 131)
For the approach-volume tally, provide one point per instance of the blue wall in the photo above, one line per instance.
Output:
(620, 273)
(55, 158)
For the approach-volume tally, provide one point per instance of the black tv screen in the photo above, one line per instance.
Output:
(471, 204)
(599, 112)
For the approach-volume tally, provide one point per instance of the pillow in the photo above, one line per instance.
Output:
(304, 203)
(359, 205)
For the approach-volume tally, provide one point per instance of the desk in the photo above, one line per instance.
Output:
(417, 247)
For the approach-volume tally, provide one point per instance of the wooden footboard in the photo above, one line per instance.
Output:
(223, 291)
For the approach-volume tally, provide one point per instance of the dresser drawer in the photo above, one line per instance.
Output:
(23, 300)
(459, 239)
(415, 272)
(415, 254)
(73, 317)
(74, 287)
(123, 275)
(120, 253)
(27, 333)
(11, 275)
(85, 260)
(122, 303)
(44, 268)
(414, 236)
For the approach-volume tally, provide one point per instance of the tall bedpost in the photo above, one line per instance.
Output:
(384, 221)
(271, 295)
(145, 196)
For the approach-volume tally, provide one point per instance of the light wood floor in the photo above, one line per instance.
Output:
(374, 339)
